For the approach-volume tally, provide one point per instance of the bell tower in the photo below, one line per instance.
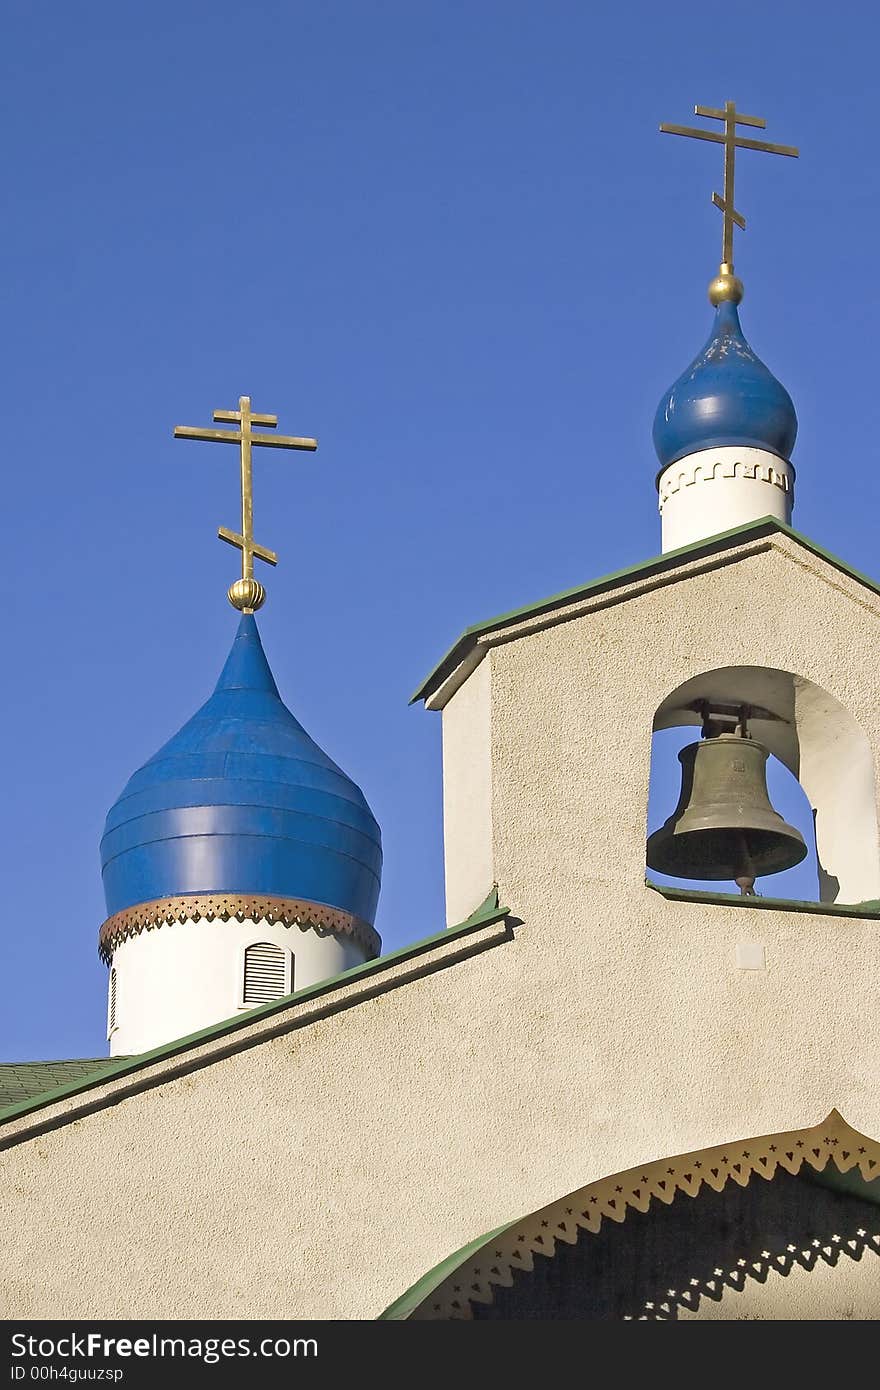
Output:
(736, 628)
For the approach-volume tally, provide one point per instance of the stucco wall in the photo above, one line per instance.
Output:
(320, 1173)
(467, 795)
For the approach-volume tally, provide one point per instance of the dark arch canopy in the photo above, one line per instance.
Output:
(629, 1246)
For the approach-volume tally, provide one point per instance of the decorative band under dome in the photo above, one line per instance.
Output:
(242, 907)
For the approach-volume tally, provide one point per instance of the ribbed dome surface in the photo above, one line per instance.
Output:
(242, 800)
(726, 397)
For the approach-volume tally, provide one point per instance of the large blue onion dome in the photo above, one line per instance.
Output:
(242, 801)
(726, 397)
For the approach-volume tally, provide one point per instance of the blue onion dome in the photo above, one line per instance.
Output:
(243, 801)
(726, 397)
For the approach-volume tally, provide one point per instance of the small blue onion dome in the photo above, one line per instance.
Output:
(726, 397)
(242, 801)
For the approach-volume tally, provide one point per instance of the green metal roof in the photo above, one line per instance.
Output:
(402, 1307)
(96, 1071)
(713, 545)
(21, 1081)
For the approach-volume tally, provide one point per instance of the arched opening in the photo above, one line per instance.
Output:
(781, 1249)
(781, 1226)
(820, 776)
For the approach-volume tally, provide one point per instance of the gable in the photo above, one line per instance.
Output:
(470, 648)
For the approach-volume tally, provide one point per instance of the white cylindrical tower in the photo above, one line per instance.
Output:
(187, 964)
(714, 490)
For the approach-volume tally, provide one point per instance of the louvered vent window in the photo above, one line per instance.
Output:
(111, 1006)
(264, 973)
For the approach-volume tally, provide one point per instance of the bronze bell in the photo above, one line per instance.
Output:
(724, 826)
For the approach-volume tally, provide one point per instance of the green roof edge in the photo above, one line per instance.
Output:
(869, 910)
(488, 912)
(406, 1304)
(765, 525)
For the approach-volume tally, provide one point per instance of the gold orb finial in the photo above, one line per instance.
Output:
(247, 595)
(726, 286)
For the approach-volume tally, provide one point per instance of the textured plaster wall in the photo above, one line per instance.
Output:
(467, 795)
(320, 1173)
(837, 772)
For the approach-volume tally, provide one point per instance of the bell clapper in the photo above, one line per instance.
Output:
(745, 879)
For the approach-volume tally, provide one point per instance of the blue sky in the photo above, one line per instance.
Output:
(447, 239)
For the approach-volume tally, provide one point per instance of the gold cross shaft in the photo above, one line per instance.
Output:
(246, 595)
(731, 142)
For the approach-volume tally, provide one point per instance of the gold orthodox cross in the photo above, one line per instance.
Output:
(246, 594)
(731, 142)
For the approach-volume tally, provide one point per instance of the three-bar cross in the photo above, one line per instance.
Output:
(245, 437)
(731, 142)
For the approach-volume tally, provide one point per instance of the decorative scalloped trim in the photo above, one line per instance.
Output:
(677, 476)
(290, 912)
(497, 1261)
